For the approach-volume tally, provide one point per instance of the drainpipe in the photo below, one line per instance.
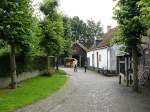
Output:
(107, 57)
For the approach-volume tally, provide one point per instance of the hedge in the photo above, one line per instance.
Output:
(24, 64)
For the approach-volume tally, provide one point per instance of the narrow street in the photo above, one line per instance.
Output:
(91, 92)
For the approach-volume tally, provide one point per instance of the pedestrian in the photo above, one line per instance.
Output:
(85, 66)
(75, 62)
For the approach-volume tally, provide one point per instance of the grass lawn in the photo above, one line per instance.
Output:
(30, 91)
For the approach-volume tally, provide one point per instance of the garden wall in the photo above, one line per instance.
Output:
(27, 67)
(5, 81)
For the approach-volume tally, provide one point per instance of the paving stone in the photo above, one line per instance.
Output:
(91, 92)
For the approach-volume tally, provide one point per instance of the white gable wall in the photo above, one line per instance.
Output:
(103, 58)
(113, 58)
(89, 57)
(92, 61)
(104, 61)
(96, 60)
(107, 58)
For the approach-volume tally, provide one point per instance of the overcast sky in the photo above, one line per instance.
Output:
(89, 9)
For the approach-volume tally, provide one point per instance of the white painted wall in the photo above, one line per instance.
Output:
(108, 58)
(102, 62)
(113, 59)
(89, 56)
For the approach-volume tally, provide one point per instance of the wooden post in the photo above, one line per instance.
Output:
(119, 79)
(131, 80)
(126, 70)
(125, 63)
(119, 64)
(80, 60)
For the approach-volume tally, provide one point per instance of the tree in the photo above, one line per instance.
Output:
(67, 36)
(52, 30)
(77, 29)
(35, 38)
(131, 28)
(15, 29)
(94, 30)
(145, 11)
(85, 32)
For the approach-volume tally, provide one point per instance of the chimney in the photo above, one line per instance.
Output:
(108, 28)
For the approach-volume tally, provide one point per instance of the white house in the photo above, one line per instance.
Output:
(104, 56)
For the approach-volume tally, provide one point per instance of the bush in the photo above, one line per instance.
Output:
(24, 64)
(4, 66)
(50, 72)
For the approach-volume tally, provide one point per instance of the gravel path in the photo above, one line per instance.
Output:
(91, 92)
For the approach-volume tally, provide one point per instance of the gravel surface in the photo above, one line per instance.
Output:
(91, 92)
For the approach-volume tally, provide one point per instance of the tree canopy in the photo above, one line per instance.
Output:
(131, 28)
(85, 32)
(52, 29)
(67, 36)
(16, 22)
(145, 12)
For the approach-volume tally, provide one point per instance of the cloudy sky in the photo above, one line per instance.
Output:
(89, 9)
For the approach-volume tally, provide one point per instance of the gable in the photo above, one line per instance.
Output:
(77, 49)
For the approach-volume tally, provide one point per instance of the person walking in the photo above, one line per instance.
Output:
(85, 66)
(75, 62)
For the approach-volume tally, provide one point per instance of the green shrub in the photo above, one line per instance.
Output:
(4, 65)
(23, 63)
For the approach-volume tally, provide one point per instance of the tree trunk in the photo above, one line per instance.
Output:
(48, 64)
(57, 68)
(135, 69)
(13, 67)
